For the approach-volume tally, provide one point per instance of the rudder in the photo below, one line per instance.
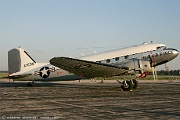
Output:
(19, 60)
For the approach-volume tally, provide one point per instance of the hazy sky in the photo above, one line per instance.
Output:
(48, 28)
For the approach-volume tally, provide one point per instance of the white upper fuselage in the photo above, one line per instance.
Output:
(158, 53)
(129, 52)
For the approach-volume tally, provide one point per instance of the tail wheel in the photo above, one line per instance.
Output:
(29, 84)
(134, 84)
(126, 85)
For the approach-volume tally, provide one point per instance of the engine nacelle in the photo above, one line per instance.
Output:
(137, 66)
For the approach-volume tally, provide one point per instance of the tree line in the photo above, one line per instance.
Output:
(170, 72)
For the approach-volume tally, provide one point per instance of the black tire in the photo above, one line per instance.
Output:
(29, 84)
(135, 84)
(126, 85)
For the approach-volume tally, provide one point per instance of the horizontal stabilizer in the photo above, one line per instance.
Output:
(18, 75)
(87, 69)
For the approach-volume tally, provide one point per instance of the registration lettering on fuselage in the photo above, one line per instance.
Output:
(28, 64)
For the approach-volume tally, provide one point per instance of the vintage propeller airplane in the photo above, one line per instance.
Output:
(138, 60)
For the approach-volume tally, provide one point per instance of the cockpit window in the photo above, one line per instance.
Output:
(171, 49)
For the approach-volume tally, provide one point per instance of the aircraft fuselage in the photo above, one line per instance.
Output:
(157, 54)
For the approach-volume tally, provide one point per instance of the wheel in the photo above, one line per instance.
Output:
(135, 84)
(29, 84)
(126, 85)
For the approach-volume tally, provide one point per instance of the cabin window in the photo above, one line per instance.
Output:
(98, 61)
(108, 60)
(117, 58)
(126, 57)
(161, 47)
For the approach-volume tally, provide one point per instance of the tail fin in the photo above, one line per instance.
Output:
(19, 60)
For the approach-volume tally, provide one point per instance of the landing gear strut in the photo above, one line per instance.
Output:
(135, 84)
(30, 84)
(129, 85)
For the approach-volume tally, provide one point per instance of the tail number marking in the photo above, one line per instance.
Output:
(28, 64)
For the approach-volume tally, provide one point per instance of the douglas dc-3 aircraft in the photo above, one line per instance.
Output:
(138, 60)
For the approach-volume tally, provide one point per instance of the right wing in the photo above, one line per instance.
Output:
(87, 68)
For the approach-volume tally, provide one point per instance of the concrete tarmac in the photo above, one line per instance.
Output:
(88, 100)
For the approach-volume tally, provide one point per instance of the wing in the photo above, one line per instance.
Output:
(87, 68)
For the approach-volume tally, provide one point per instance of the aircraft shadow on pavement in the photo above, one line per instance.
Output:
(42, 84)
(20, 84)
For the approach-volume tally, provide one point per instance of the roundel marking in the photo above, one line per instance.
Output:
(44, 72)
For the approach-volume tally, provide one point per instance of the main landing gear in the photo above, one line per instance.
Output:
(129, 85)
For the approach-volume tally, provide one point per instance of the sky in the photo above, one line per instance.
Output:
(49, 28)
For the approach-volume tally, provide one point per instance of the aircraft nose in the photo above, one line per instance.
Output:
(175, 52)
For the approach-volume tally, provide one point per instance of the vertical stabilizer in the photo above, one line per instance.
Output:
(19, 60)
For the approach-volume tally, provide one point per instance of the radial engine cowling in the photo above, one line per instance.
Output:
(137, 66)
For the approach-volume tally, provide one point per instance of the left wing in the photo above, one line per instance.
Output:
(87, 68)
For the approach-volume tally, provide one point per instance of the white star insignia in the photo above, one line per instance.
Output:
(44, 72)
